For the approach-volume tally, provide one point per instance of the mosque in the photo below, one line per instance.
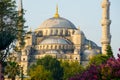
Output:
(61, 39)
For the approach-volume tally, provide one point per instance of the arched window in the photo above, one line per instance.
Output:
(51, 32)
(61, 32)
(46, 32)
(55, 46)
(56, 32)
(23, 59)
(76, 58)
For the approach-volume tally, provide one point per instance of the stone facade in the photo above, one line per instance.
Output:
(61, 39)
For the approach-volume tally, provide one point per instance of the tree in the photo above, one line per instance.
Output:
(53, 65)
(11, 26)
(40, 73)
(12, 70)
(109, 51)
(91, 73)
(110, 70)
(9, 22)
(8, 27)
(71, 69)
(99, 59)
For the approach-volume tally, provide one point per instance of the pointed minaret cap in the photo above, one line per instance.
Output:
(56, 14)
(20, 6)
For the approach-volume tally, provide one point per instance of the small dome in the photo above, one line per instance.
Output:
(57, 23)
(88, 54)
(55, 41)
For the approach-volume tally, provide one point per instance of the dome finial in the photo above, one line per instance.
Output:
(56, 14)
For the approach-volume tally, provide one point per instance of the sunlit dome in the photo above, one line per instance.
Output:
(57, 23)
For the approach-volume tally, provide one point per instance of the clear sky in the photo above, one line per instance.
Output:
(84, 13)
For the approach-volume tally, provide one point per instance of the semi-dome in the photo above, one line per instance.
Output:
(57, 23)
(55, 41)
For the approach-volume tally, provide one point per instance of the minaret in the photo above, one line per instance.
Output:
(20, 8)
(105, 23)
(20, 24)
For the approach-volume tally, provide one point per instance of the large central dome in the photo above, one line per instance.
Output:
(57, 23)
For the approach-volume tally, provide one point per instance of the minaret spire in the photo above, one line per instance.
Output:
(20, 24)
(105, 23)
(20, 7)
(56, 14)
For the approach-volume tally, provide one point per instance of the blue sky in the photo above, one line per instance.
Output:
(84, 13)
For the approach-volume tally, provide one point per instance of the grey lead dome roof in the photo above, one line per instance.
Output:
(89, 54)
(54, 41)
(57, 23)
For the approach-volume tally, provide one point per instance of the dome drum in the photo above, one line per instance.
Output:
(55, 47)
(55, 32)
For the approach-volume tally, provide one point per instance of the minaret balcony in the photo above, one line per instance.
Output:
(105, 22)
(105, 41)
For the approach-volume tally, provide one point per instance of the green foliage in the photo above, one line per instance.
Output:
(40, 73)
(8, 23)
(9, 26)
(12, 69)
(51, 64)
(110, 70)
(109, 51)
(71, 69)
(99, 59)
